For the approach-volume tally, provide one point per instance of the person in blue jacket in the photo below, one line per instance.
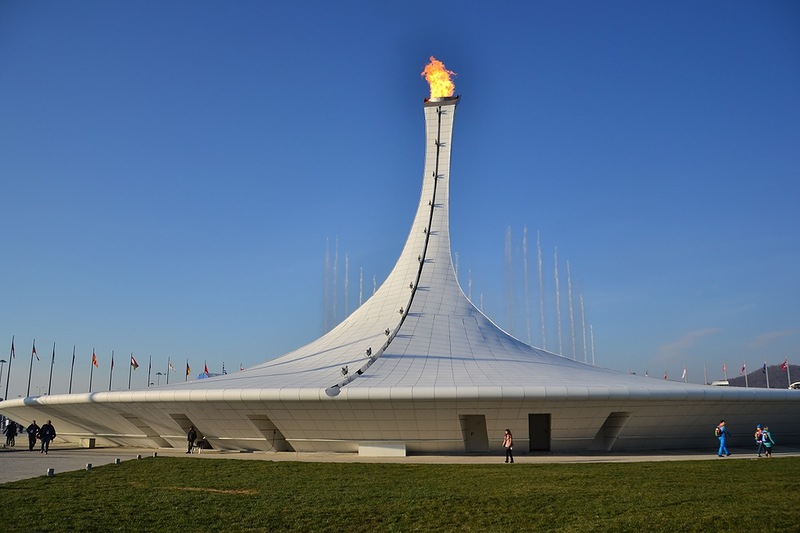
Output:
(768, 442)
(722, 434)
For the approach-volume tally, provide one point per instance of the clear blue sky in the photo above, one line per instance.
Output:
(172, 171)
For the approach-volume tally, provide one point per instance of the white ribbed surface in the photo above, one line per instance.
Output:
(444, 360)
(444, 341)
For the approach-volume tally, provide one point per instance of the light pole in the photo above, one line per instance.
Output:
(159, 374)
(2, 363)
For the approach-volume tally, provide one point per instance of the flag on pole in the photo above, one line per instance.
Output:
(684, 372)
(744, 369)
(665, 375)
(188, 369)
(94, 360)
(724, 367)
(223, 368)
(240, 367)
(764, 369)
(12, 348)
(785, 364)
(205, 369)
(133, 365)
(171, 367)
(34, 351)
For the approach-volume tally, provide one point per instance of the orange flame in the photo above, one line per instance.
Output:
(438, 78)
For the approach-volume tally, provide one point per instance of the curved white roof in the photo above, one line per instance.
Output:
(416, 344)
(419, 328)
(423, 335)
(419, 336)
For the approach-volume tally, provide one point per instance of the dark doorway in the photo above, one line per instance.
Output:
(539, 432)
(476, 439)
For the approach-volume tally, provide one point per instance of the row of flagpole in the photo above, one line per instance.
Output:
(764, 370)
(743, 372)
(95, 364)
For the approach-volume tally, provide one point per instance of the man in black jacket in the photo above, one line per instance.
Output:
(191, 437)
(32, 430)
(46, 434)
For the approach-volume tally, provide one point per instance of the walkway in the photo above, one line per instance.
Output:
(18, 463)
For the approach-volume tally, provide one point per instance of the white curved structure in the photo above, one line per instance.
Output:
(418, 369)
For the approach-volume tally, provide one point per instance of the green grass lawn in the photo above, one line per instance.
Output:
(180, 494)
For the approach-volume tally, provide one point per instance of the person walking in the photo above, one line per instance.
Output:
(11, 433)
(508, 444)
(191, 437)
(47, 434)
(33, 431)
(722, 434)
(766, 437)
(759, 441)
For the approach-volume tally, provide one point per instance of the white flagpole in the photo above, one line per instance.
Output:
(766, 371)
(91, 369)
(744, 365)
(11, 357)
(71, 369)
(111, 372)
(788, 374)
(52, 362)
(30, 371)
